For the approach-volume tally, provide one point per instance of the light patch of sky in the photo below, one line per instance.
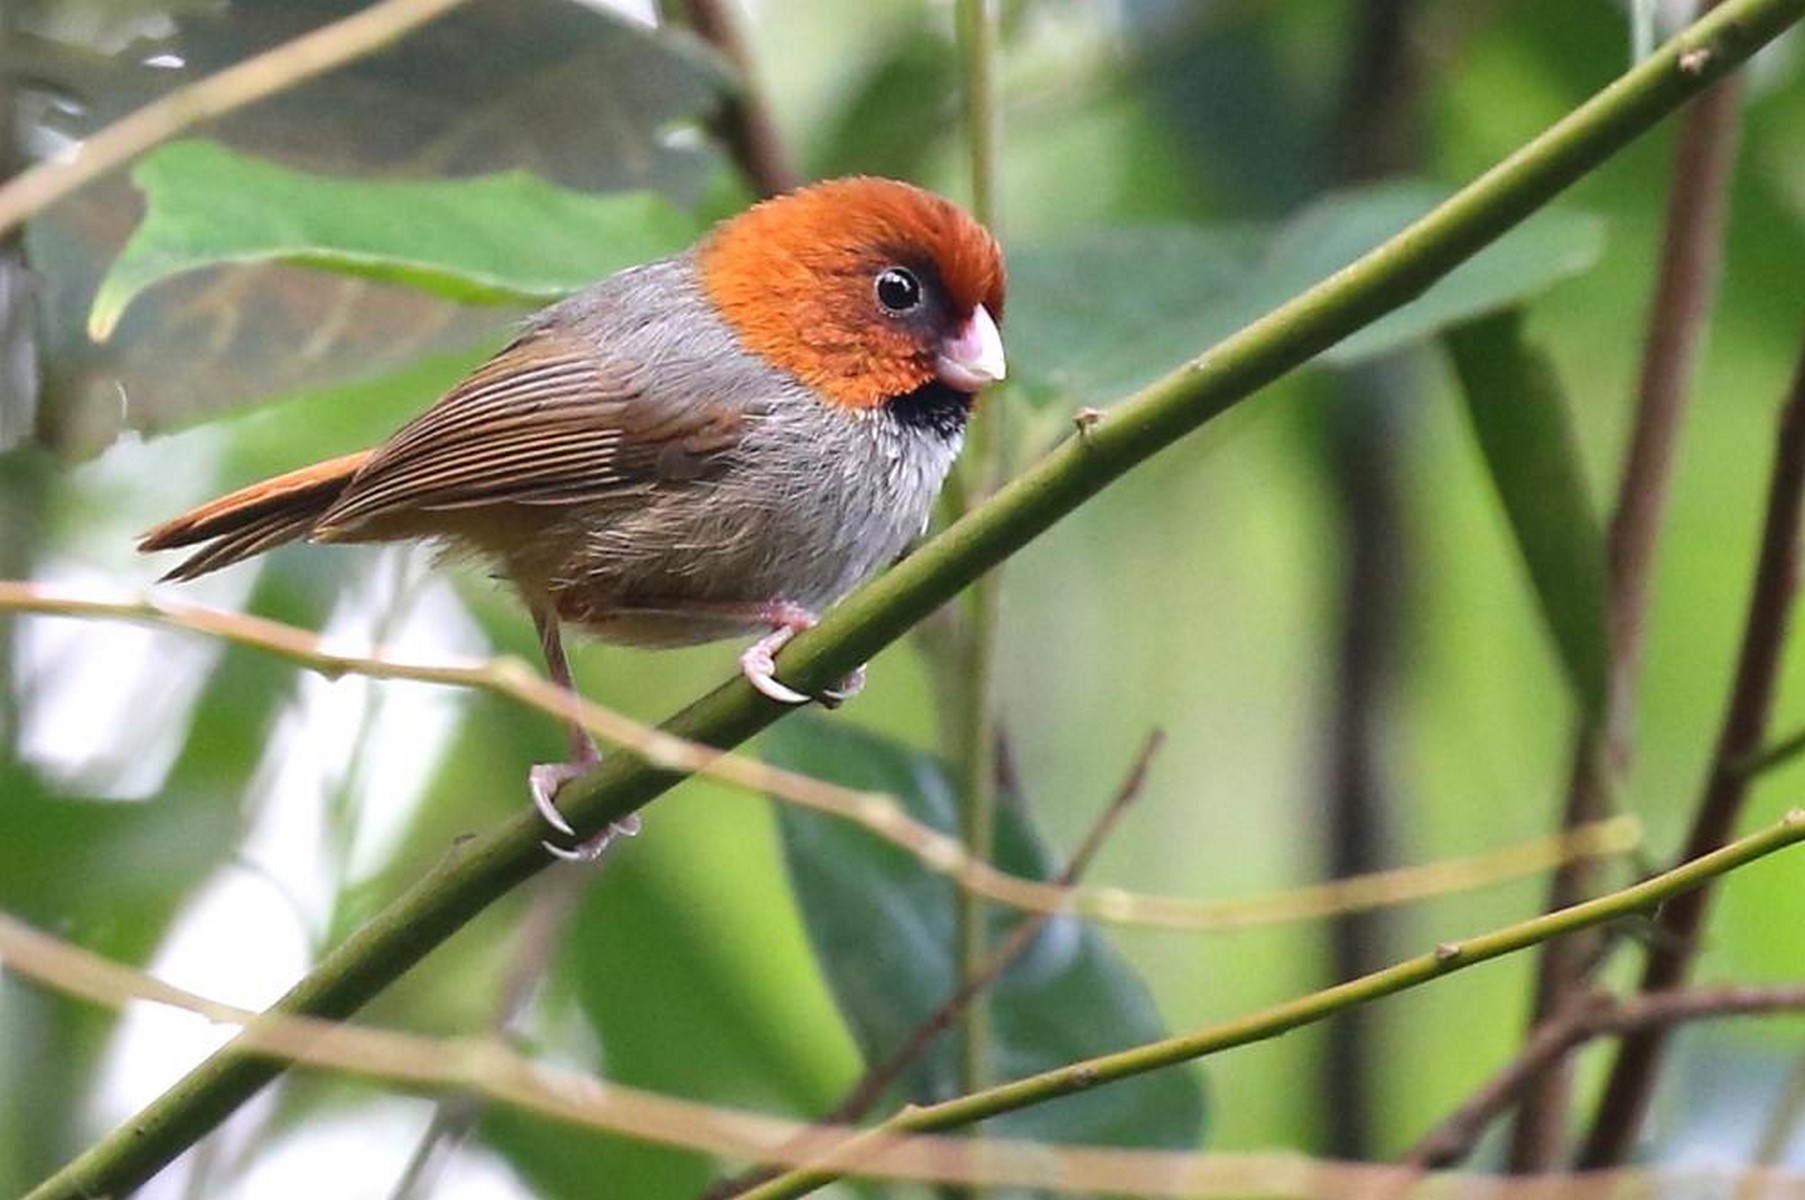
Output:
(107, 700)
(644, 12)
(361, 1152)
(356, 1153)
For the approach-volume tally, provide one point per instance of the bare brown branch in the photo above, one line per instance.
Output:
(1595, 1015)
(1744, 730)
(877, 813)
(1684, 290)
(744, 121)
(501, 1075)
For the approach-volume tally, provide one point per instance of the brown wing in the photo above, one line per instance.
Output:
(546, 421)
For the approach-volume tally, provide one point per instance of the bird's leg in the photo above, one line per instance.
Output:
(545, 779)
(786, 621)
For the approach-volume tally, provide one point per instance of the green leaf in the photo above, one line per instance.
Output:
(1102, 313)
(1519, 416)
(1328, 235)
(487, 240)
(882, 929)
(1105, 312)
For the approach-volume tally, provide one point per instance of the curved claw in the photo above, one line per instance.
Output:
(543, 781)
(846, 689)
(761, 672)
(592, 849)
(584, 852)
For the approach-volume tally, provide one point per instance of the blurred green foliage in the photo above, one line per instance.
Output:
(1166, 173)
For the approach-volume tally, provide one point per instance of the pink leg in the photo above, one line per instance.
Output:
(544, 780)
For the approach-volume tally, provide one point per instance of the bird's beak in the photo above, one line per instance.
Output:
(973, 355)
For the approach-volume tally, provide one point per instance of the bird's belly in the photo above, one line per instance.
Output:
(702, 563)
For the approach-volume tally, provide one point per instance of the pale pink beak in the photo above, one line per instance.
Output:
(973, 356)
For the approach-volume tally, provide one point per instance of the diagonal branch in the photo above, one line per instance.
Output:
(490, 1068)
(871, 1086)
(477, 872)
(878, 814)
(1449, 956)
(1593, 1016)
(745, 121)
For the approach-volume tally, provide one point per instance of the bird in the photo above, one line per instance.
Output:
(719, 443)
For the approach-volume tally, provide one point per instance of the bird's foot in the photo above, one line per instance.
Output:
(757, 663)
(761, 672)
(543, 781)
(848, 687)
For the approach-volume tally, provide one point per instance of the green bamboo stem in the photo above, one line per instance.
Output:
(977, 752)
(475, 873)
(1445, 959)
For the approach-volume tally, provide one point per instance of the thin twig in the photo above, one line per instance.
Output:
(877, 813)
(1775, 756)
(325, 49)
(1684, 289)
(744, 121)
(500, 1074)
(880, 612)
(1068, 1080)
(1632, 1078)
(871, 1086)
(1595, 1015)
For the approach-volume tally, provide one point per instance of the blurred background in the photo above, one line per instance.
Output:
(1317, 598)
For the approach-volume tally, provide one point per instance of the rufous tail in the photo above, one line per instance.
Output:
(256, 518)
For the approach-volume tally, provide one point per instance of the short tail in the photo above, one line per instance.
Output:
(254, 519)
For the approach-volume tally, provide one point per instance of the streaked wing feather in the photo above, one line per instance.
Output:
(546, 421)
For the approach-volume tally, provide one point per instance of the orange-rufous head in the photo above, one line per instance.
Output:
(864, 289)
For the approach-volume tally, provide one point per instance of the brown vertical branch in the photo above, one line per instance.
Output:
(1684, 289)
(744, 120)
(1670, 958)
(1376, 136)
(1539, 1135)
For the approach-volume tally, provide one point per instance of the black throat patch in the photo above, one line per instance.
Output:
(932, 408)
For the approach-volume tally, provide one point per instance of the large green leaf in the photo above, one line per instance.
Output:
(1520, 418)
(882, 929)
(1099, 314)
(493, 239)
(585, 98)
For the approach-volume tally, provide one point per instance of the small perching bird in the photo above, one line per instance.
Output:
(717, 443)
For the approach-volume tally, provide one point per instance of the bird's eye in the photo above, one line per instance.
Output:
(898, 290)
